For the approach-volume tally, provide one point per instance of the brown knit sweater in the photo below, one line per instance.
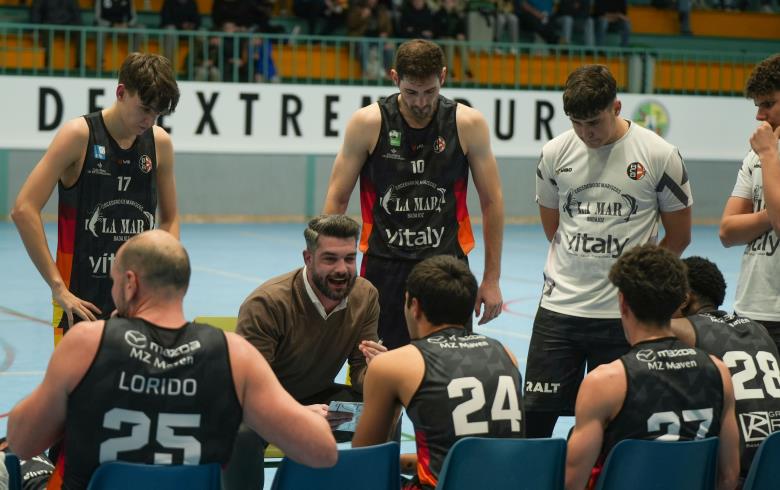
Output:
(305, 350)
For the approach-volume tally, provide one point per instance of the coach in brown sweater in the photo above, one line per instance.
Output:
(307, 323)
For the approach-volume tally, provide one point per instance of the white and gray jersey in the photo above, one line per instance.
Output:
(758, 292)
(609, 200)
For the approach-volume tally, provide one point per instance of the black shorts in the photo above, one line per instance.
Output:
(389, 278)
(774, 330)
(560, 347)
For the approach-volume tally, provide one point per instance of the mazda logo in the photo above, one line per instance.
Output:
(135, 339)
(645, 355)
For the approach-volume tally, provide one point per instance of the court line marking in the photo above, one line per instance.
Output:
(22, 373)
(24, 316)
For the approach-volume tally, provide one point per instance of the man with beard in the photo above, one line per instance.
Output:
(413, 152)
(306, 323)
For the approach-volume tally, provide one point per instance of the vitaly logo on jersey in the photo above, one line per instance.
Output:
(99, 152)
(584, 244)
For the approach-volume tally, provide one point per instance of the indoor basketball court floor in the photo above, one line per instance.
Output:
(230, 260)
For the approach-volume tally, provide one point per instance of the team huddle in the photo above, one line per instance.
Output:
(132, 379)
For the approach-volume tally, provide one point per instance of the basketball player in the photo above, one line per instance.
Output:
(413, 152)
(150, 387)
(111, 169)
(661, 389)
(752, 213)
(443, 371)
(743, 345)
(602, 188)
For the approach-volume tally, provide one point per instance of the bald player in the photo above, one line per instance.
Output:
(110, 382)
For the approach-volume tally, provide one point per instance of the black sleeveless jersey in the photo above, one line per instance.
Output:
(413, 188)
(470, 388)
(154, 396)
(674, 392)
(114, 198)
(752, 358)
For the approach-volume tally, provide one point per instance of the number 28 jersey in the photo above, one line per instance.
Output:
(152, 395)
(470, 388)
(752, 358)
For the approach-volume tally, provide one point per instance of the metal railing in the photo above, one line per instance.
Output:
(47, 50)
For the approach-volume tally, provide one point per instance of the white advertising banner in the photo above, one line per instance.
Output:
(310, 119)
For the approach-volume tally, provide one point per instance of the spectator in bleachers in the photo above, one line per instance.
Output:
(115, 13)
(206, 60)
(480, 23)
(612, 12)
(575, 12)
(241, 13)
(181, 15)
(233, 48)
(536, 16)
(311, 11)
(335, 16)
(58, 12)
(507, 23)
(416, 21)
(451, 26)
(261, 61)
(370, 19)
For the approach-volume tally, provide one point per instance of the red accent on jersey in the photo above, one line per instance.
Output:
(367, 201)
(465, 234)
(66, 240)
(424, 473)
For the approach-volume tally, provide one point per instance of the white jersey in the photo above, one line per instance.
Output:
(758, 292)
(608, 200)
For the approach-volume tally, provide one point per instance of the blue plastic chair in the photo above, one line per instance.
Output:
(498, 464)
(118, 475)
(765, 471)
(661, 465)
(370, 468)
(14, 471)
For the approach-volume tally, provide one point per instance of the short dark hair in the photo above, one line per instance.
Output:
(332, 225)
(589, 90)
(158, 266)
(418, 59)
(705, 280)
(764, 79)
(151, 76)
(653, 282)
(445, 289)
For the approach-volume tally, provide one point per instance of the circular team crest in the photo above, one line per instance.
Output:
(653, 116)
(635, 170)
(439, 145)
(145, 163)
